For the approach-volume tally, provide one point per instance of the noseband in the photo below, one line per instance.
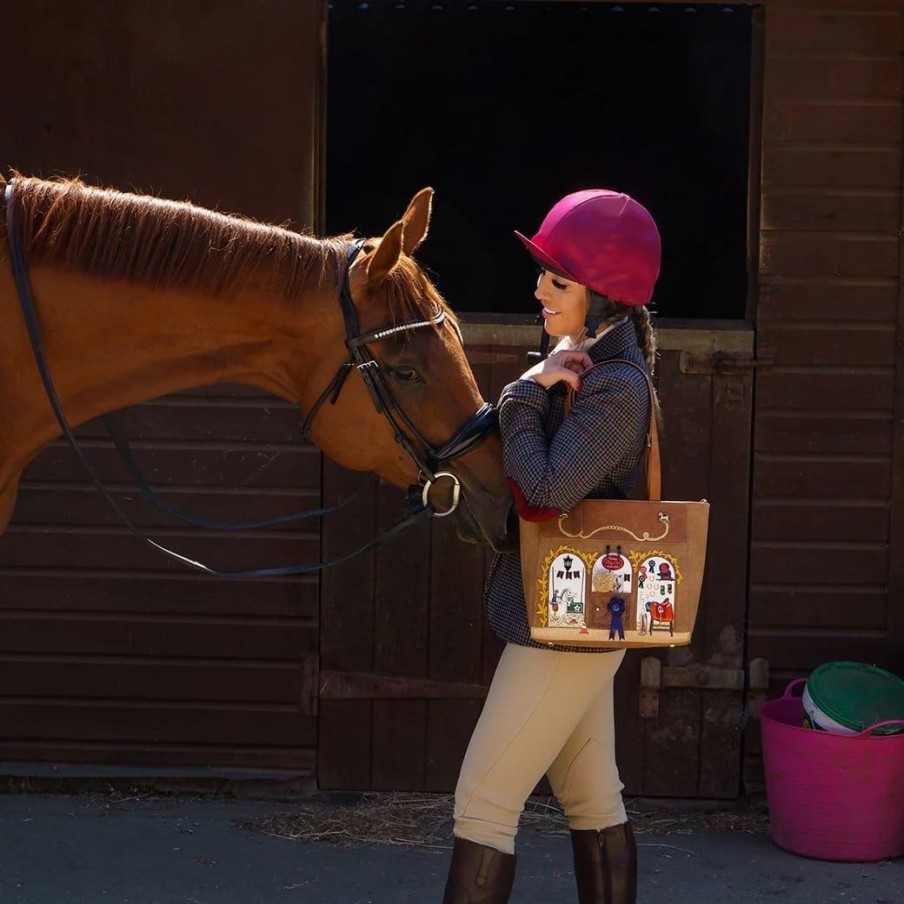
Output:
(432, 458)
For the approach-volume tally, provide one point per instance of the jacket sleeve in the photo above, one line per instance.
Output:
(551, 474)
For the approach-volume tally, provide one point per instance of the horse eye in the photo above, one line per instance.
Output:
(404, 373)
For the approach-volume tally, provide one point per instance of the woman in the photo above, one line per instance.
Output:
(550, 709)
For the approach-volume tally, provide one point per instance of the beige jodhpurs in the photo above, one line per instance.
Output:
(546, 712)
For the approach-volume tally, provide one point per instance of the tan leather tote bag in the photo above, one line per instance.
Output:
(615, 573)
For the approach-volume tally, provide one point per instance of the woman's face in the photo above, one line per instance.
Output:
(564, 304)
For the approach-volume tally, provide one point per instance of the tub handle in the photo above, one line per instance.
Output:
(795, 683)
(868, 731)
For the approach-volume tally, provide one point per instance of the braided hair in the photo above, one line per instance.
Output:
(610, 310)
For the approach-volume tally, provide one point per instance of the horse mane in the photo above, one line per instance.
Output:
(168, 244)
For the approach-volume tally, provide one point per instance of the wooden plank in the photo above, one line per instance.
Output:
(154, 723)
(180, 419)
(397, 752)
(808, 75)
(864, 389)
(366, 686)
(803, 650)
(895, 648)
(163, 680)
(854, 121)
(401, 602)
(726, 595)
(83, 504)
(343, 744)
(727, 549)
(813, 165)
(798, 605)
(208, 465)
(820, 519)
(829, 433)
(821, 31)
(815, 564)
(449, 727)
(720, 743)
(99, 548)
(796, 477)
(856, 210)
(630, 728)
(458, 572)
(817, 298)
(103, 758)
(199, 638)
(346, 635)
(672, 753)
(829, 345)
(846, 254)
(178, 594)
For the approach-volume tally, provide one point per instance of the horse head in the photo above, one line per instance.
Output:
(414, 390)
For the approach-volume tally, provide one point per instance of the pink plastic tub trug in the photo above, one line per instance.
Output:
(830, 796)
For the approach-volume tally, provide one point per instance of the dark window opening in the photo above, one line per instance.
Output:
(505, 107)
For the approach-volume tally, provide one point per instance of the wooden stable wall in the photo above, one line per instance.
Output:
(827, 545)
(826, 580)
(112, 658)
(109, 660)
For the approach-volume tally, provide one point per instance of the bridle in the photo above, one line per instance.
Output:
(466, 438)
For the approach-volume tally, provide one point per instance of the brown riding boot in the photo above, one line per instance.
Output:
(605, 865)
(479, 875)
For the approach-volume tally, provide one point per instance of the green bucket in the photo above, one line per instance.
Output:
(849, 697)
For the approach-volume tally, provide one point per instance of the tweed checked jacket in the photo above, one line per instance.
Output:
(556, 462)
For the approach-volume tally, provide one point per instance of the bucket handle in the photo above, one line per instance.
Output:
(868, 731)
(795, 683)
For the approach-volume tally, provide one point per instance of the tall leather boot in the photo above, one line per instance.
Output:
(479, 874)
(605, 865)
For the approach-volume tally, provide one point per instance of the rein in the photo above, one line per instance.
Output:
(464, 440)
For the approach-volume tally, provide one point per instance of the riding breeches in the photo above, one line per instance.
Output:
(546, 712)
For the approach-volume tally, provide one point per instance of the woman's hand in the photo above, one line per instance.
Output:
(563, 367)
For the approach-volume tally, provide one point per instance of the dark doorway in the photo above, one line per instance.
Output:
(505, 107)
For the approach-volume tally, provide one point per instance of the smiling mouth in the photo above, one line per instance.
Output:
(548, 313)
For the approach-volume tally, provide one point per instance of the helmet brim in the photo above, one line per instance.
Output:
(539, 255)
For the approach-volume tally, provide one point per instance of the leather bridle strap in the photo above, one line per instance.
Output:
(466, 438)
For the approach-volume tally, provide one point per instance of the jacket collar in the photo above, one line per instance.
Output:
(619, 342)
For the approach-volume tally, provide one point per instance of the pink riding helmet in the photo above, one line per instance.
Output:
(604, 240)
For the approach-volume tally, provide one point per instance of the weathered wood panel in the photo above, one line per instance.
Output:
(827, 298)
(849, 210)
(846, 254)
(830, 166)
(820, 519)
(867, 433)
(111, 657)
(802, 607)
(825, 468)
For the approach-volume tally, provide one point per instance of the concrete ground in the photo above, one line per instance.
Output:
(97, 849)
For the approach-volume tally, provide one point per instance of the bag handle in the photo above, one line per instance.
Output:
(651, 462)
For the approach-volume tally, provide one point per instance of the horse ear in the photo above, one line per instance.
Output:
(417, 220)
(386, 256)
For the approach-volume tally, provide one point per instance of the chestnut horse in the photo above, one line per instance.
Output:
(137, 297)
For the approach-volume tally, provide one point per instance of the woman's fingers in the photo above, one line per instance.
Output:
(573, 359)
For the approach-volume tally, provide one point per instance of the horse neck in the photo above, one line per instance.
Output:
(112, 344)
